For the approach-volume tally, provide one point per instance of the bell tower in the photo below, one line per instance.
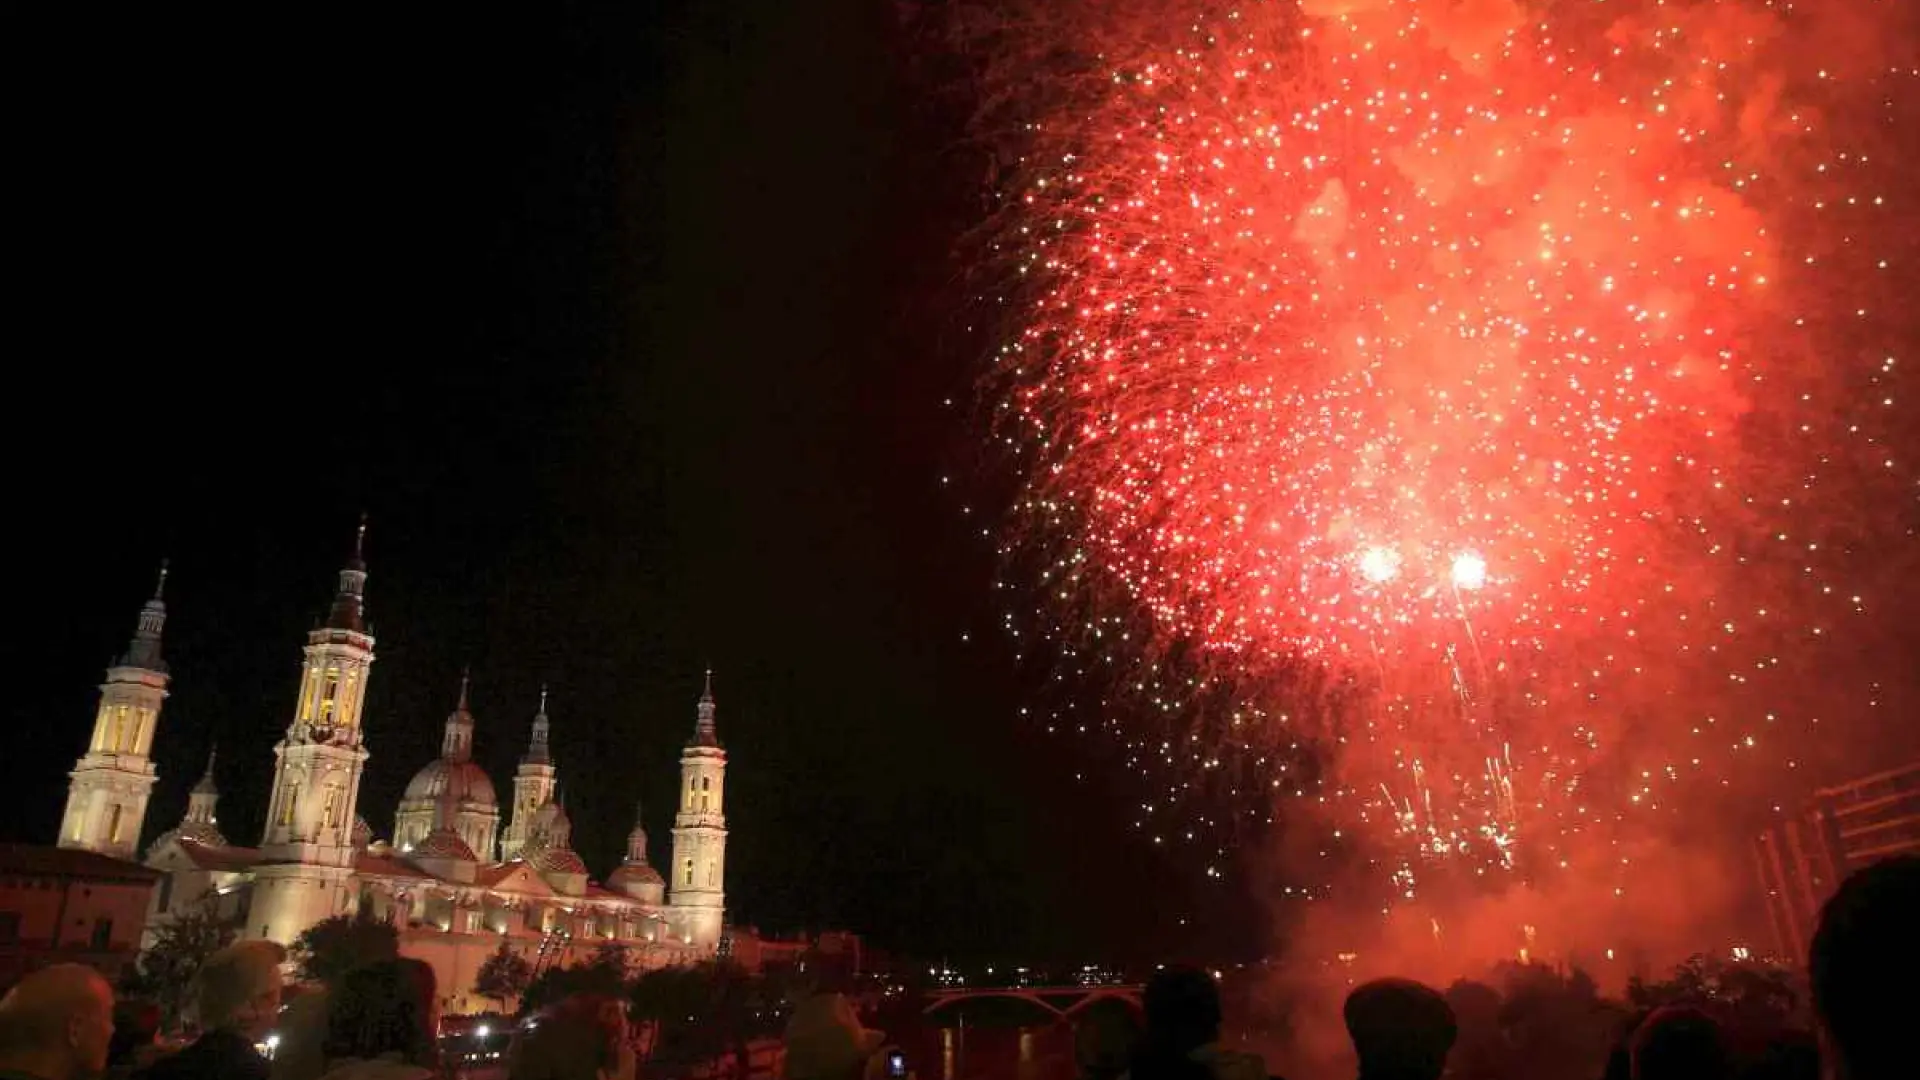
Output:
(307, 849)
(697, 876)
(107, 799)
(533, 785)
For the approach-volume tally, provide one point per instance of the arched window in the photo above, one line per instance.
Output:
(113, 825)
(287, 798)
(706, 783)
(347, 715)
(119, 729)
(329, 693)
(689, 872)
(311, 691)
(713, 873)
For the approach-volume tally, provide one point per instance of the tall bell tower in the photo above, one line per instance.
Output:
(307, 849)
(107, 799)
(698, 900)
(533, 785)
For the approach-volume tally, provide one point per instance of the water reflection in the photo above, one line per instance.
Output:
(973, 1052)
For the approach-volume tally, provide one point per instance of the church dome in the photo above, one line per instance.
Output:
(462, 781)
(558, 860)
(443, 844)
(551, 827)
(634, 874)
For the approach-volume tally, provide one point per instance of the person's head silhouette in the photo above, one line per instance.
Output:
(1678, 1042)
(1864, 963)
(1401, 1030)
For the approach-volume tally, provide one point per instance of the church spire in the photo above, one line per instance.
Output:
(348, 602)
(144, 650)
(538, 751)
(704, 733)
(458, 743)
(206, 786)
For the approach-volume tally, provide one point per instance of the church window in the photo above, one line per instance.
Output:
(689, 872)
(713, 873)
(119, 728)
(140, 719)
(327, 815)
(346, 705)
(329, 693)
(306, 699)
(287, 799)
(113, 826)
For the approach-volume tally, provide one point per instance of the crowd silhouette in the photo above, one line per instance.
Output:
(379, 1021)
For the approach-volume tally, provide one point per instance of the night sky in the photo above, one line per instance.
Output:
(631, 332)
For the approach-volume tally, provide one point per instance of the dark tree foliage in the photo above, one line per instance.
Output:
(504, 976)
(165, 972)
(332, 947)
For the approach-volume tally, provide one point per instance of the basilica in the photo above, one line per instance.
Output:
(452, 881)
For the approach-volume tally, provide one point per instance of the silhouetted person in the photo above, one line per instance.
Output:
(825, 1040)
(1678, 1042)
(1182, 1040)
(381, 1023)
(1790, 1055)
(238, 998)
(56, 1025)
(1105, 1036)
(135, 1045)
(1401, 1030)
(302, 1053)
(1864, 964)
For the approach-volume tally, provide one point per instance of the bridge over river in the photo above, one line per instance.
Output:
(1062, 1001)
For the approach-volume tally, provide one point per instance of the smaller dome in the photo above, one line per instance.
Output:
(200, 832)
(362, 832)
(550, 825)
(463, 781)
(634, 874)
(443, 843)
(558, 860)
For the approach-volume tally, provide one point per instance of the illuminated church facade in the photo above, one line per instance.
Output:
(460, 875)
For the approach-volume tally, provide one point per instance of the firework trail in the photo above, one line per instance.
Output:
(1480, 390)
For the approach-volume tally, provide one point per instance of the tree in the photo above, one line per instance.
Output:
(505, 975)
(165, 972)
(558, 983)
(332, 947)
(611, 955)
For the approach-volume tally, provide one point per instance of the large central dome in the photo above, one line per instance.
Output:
(462, 781)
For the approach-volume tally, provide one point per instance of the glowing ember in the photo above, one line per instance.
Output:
(1379, 564)
(1469, 571)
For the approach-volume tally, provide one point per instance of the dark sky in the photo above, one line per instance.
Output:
(630, 329)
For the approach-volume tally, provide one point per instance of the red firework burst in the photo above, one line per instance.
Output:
(1457, 348)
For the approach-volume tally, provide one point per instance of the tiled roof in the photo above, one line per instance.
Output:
(33, 859)
(209, 857)
(384, 866)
